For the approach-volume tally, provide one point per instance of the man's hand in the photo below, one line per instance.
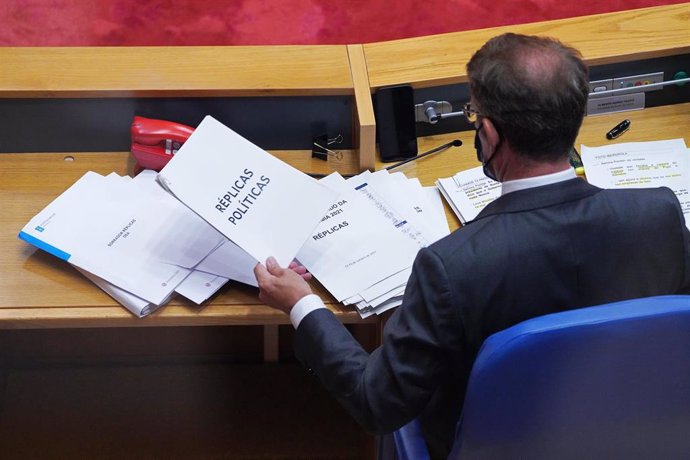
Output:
(300, 270)
(279, 287)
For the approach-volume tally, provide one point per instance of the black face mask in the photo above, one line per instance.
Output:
(480, 155)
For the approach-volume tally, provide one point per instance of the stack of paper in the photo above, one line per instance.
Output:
(141, 245)
(641, 164)
(128, 236)
(220, 206)
(363, 249)
(468, 192)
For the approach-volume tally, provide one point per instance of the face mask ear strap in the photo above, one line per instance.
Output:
(480, 154)
(498, 133)
(478, 144)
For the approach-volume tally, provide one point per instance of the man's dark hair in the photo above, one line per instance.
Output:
(534, 89)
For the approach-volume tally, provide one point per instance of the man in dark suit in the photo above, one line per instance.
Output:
(551, 242)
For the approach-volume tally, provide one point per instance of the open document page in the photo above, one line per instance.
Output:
(113, 229)
(265, 206)
(641, 165)
(230, 261)
(468, 192)
(365, 246)
(354, 246)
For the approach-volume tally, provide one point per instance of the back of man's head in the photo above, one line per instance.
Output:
(534, 89)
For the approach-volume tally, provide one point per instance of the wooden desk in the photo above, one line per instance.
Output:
(38, 290)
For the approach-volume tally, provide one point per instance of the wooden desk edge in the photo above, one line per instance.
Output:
(461, 77)
(212, 71)
(167, 316)
(323, 90)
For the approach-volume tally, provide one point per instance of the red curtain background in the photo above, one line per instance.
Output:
(266, 22)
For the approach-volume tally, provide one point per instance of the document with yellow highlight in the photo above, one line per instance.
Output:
(641, 165)
(468, 192)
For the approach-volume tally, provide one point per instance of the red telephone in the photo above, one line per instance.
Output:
(154, 142)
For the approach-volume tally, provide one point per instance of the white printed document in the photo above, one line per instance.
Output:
(468, 192)
(139, 307)
(363, 250)
(114, 230)
(230, 261)
(355, 246)
(409, 199)
(642, 165)
(199, 286)
(263, 205)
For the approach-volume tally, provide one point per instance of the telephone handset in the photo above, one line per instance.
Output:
(154, 141)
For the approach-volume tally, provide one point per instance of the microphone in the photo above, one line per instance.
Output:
(440, 148)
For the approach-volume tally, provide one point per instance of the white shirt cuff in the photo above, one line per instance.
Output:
(303, 307)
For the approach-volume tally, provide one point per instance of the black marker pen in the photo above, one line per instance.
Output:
(619, 129)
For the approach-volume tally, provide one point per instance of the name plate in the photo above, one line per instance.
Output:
(622, 103)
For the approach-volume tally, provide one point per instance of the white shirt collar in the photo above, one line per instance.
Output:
(537, 181)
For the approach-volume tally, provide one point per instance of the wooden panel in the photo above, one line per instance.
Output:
(365, 123)
(174, 71)
(271, 343)
(190, 410)
(602, 39)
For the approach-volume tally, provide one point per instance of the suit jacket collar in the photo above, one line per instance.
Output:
(539, 197)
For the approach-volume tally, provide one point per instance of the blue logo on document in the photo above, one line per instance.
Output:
(39, 228)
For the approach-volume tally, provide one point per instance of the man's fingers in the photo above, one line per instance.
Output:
(261, 273)
(273, 267)
(299, 269)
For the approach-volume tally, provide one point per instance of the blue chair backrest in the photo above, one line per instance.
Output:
(604, 382)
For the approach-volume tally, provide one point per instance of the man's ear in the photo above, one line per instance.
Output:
(491, 133)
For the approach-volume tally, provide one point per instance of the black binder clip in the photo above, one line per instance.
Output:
(320, 147)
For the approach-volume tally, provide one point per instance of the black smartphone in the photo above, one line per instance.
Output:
(395, 123)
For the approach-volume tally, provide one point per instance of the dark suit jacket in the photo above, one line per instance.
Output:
(529, 253)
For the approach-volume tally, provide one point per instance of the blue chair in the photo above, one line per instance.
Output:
(604, 382)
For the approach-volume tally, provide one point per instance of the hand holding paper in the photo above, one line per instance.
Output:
(300, 269)
(280, 288)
